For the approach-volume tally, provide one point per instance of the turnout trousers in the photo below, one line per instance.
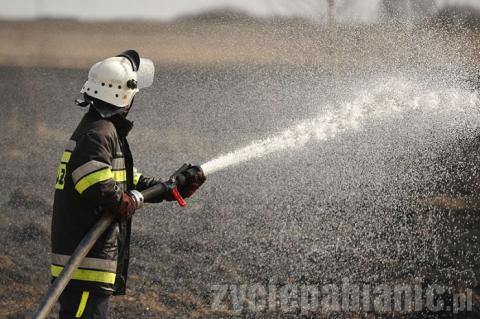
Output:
(85, 305)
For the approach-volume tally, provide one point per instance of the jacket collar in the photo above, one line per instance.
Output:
(122, 125)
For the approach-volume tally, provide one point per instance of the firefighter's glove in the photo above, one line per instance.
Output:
(194, 178)
(127, 206)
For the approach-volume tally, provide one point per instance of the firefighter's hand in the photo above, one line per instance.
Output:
(194, 178)
(127, 206)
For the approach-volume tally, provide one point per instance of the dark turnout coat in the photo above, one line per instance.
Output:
(95, 168)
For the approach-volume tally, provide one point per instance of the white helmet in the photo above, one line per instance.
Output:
(116, 80)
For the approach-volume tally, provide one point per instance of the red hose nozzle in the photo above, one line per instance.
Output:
(178, 197)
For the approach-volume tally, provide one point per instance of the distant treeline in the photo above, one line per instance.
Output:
(415, 10)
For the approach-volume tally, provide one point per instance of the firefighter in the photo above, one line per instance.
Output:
(96, 175)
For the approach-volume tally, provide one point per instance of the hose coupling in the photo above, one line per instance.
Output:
(138, 198)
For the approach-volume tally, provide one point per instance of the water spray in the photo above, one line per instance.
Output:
(402, 97)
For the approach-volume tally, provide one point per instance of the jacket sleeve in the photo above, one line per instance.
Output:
(143, 182)
(91, 167)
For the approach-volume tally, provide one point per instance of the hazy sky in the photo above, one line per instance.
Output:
(357, 10)
(170, 9)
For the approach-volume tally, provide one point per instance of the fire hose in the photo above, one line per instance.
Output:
(97, 230)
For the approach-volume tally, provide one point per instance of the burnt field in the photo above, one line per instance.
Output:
(352, 207)
(391, 199)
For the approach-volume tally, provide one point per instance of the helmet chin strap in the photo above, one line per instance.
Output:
(128, 108)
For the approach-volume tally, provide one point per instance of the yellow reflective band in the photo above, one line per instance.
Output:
(87, 275)
(66, 157)
(120, 176)
(136, 176)
(92, 179)
(61, 173)
(83, 303)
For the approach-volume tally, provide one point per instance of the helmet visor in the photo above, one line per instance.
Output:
(145, 73)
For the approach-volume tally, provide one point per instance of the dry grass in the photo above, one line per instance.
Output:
(72, 44)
